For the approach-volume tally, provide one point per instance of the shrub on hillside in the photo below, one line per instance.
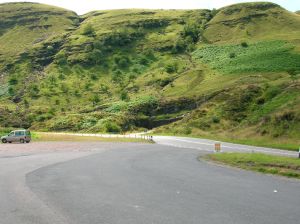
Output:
(232, 55)
(117, 76)
(193, 31)
(88, 30)
(95, 99)
(124, 96)
(122, 61)
(171, 68)
(13, 81)
(244, 44)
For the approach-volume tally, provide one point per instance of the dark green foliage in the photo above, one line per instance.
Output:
(61, 58)
(166, 81)
(244, 44)
(13, 81)
(232, 55)
(214, 12)
(118, 76)
(95, 57)
(193, 31)
(150, 23)
(122, 61)
(272, 92)
(120, 38)
(124, 96)
(180, 46)
(11, 91)
(112, 127)
(215, 119)
(171, 68)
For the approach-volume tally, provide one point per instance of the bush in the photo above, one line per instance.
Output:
(215, 119)
(118, 76)
(11, 91)
(271, 92)
(112, 127)
(88, 30)
(95, 56)
(193, 31)
(171, 68)
(61, 58)
(244, 44)
(13, 81)
(232, 55)
(180, 46)
(122, 61)
(124, 96)
(95, 99)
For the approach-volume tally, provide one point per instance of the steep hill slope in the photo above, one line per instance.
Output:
(25, 25)
(188, 72)
(253, 21)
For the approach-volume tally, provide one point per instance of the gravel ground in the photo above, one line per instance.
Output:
(47, 147)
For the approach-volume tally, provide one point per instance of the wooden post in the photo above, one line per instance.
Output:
(217, 147)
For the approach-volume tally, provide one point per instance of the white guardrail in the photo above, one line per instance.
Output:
(142, 135)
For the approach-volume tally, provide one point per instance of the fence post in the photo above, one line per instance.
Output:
(217, 147)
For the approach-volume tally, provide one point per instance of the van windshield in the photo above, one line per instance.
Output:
(27, 133)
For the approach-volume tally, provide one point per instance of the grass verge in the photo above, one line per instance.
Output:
(40, 136)
(268, 164)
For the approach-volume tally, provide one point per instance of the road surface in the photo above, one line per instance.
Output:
(130, 183)
(208, 145)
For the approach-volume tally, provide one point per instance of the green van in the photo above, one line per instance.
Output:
(21, 136)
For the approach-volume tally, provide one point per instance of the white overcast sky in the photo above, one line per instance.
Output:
(84, 6)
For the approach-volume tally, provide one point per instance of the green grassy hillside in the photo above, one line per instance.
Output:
(26, 25)
(253, 21)
(185, 72)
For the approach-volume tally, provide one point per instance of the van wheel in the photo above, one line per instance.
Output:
(9, 142)
(22, 141)
(27, 141)
(4, 141)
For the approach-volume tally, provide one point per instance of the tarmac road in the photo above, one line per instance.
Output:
(127, 183)
(208, 145)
